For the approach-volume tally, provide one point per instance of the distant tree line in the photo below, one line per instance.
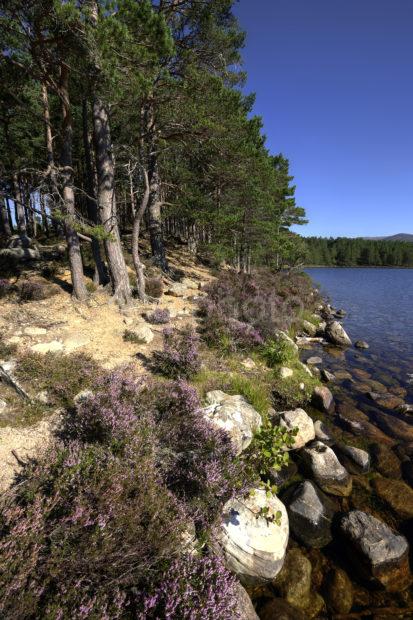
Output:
(345, 252)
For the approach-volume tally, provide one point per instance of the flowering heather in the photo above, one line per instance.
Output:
(265, 302)
(198, 461)
(109, 413)
(160, 316)
(85, 528)
(179, 357)
(193, 588)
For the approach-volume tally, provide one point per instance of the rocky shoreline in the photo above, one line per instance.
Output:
(342, 537)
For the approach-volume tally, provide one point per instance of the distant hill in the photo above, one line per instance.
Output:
(398, 237)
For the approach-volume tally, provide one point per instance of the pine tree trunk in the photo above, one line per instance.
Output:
(107, 202)
(73, 244)
(140, 278)
(154, 216)
(45, 221)
(100, 275)
(5, 224)
(19, 206)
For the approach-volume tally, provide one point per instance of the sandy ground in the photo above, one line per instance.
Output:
(95, 328)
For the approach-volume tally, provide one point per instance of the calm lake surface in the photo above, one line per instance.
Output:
(379, 306)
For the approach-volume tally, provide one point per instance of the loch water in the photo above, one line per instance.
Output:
(379, 307)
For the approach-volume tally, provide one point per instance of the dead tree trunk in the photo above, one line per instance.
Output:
(107, 202)
(73, 243)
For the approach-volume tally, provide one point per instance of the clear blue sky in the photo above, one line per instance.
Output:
(334, 85)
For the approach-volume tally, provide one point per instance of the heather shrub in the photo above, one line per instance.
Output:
(193, 587)
(179, 357)
(159, 316)
(266, 301)
(108, 414)
(34, 291)
(130, 336)
(62, 376)
(5, 287)
(86, 533)
(6, 350)
(154, 287)
(197, 460)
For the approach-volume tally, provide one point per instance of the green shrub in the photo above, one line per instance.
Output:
(279, 351)
(294, 391)
(269, 450)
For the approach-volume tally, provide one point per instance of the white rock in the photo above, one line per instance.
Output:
(35, 331)
(14, 340)
(47, 347)
(309, 328)
(280, 335)
(234, 415)
(3, 405)
(285, 372)
(298, 418)
(82, 397)
(321, 432)
(43, 397)
(177, 289)
(248, 363)
(144, 333)
(254, 544)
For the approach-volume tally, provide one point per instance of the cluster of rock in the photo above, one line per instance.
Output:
(254, 532)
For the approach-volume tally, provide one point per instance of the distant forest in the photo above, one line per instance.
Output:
(344, 252)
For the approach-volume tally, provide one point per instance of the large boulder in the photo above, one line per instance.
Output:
(310, 513)
(322, 399)
(234, 415)
(254, 536)
(322, 464)
(336, 334)
(298, 419)
(377, 552)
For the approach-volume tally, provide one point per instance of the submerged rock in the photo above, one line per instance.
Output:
(234, 415)
(390, 401)
(322, 432)
(385, 461)
(310, 513)
(279, 609)
(253, 542)
(357, 422)
(294, 584)
(357, 461)
(338, 591)
(396, 494)
(336, 334)
(376, 551)
(327, 376)
(298, 419)
(315, 359)
(322, 399)
(321, 462)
